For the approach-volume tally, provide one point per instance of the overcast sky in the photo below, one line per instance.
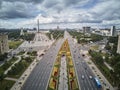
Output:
(65, 13)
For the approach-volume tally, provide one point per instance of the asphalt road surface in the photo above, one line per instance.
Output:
(39, 77)
(83, 71)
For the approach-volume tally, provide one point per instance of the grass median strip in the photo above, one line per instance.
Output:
(54, 79)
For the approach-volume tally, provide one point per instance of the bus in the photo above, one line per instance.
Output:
(98, 84)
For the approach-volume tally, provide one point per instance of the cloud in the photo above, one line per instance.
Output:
(26, 1)
(50, 4)
(17, 10)
(0, 3)
(108, 10)
(75, 2)
(60, 11)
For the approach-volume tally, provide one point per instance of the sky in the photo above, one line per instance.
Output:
(63, 13)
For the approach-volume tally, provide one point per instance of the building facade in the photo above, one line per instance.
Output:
(86, 29)
(113, 31)
(4, 47)
(118, 47)
(22, 32)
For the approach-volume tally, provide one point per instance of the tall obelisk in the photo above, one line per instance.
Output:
(38, 25)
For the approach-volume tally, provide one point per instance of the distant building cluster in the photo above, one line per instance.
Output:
(113, 31)
(107, 32)
(4, 47)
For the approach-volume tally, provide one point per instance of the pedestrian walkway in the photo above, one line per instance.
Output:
(12, 79)
(63, 85)
(110, 68)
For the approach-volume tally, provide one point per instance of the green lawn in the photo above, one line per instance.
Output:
(24, 64)
(21, 53)
(14, 44)
(7, 64)
(94, 47)
(6, 84)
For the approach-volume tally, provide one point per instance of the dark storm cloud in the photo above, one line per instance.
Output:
(71, 2)
(78, 3)
(13, 14)
(29, 1)
(0, 3)
(17, 10)
(50, 4)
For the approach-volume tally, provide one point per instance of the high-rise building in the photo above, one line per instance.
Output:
(118, 47)
(58, 28)
(21, 33)
(113, 31)
(86, 29)
(3, 43)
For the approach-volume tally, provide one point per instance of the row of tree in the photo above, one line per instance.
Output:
(28, 37)
(95, 37)
(113, 59)
(111, 45)
(57, 33)
(84, 38)
(3, 56)
(97, 57)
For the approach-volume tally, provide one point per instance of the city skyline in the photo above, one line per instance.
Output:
(24, 13)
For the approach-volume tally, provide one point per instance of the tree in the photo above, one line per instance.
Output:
(96, 56)
(2, 76)
(3, 56)
(95, 37)
(117, 71)
(108, 47)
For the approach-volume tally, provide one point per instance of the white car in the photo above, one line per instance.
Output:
(82, 76)
(90, 77)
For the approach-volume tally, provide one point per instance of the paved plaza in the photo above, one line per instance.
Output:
(40, 42)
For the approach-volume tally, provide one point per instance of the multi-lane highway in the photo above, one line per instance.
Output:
(83, 71)
(39, 77)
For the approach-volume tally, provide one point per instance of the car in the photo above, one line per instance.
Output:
(90, 77)
(82, 76)
(63, 55)
(76, 62)
(20, 82)
(108, 88)
(83, 55)
(41, 54)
